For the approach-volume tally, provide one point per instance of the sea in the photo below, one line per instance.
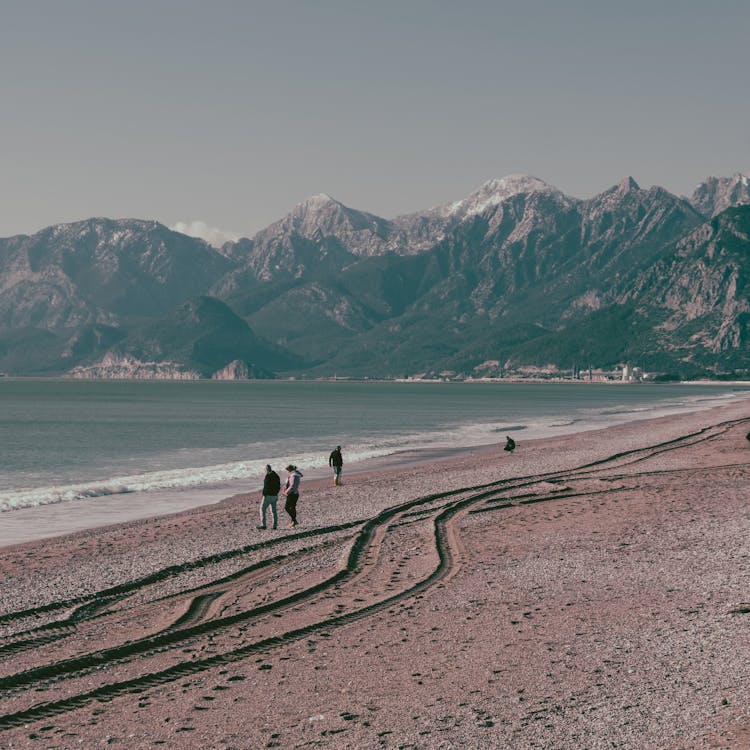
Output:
(76, 454)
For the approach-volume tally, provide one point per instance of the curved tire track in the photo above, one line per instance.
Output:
(447, 544)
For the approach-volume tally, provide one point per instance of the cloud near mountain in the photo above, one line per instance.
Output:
(213, 235)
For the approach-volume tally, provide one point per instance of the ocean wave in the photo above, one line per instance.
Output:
(219, 475)
(626, 410)
(177, 480)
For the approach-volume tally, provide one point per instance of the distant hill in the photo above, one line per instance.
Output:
(516, 274)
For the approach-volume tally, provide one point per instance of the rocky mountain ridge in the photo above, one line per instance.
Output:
(515, 273)
(716, 194)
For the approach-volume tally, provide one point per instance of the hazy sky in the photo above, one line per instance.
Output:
(230, 113)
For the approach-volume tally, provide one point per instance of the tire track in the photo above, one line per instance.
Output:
(196, 612)
(89, 602)
(371, 532)
(106, 598)
(446, 554)
(173, 638)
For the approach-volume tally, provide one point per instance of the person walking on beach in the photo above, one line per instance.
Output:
(510, 444)
(291, 490)
(271, 487)
(336, 462)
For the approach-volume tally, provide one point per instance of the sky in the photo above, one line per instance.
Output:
(217, 118)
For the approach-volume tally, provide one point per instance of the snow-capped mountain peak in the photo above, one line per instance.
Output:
(495, 191)
(320, 198)
(513, 184)
(715, 194)
(313, 212)
(315, 203)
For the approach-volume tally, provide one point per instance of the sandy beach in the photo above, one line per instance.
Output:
(583, 593)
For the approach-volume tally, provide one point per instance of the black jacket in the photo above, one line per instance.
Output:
(271, 484)
(335, 459)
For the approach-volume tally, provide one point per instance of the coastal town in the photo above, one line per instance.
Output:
(493, 370)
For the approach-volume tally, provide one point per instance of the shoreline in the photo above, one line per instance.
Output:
(370, 469)
(49, 521)
(71, 518)
(585, 593)
(364, 379)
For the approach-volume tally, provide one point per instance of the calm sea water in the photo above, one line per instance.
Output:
(67, 441)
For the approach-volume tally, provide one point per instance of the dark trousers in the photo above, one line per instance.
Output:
(290, 506)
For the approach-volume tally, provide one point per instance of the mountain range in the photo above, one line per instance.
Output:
(515, 277)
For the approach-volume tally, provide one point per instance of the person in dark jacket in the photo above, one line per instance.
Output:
(510, 444)
(271, 487)
(336, 462)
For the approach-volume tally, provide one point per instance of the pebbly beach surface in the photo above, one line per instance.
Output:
(591, 592)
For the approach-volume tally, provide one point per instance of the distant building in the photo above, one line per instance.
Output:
(632, 374)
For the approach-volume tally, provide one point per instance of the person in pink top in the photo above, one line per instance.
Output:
(291, 490)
